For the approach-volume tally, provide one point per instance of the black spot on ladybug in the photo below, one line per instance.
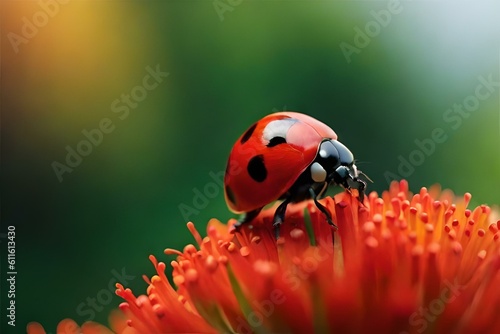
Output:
(276, 141)
(256, 168)
(230, 195)
(248, 134)
(227, 169)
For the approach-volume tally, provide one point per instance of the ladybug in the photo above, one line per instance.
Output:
(291, 157)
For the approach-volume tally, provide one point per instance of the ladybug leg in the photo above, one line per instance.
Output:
(360, 186)
(361, 191)
(321, 192)
(246, 218)
(279, 217)
(321, 207)
(360, 181)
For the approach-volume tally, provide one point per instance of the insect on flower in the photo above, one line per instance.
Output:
(408, 263)
(287, 156)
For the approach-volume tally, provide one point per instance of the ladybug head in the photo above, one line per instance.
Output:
(335, 163)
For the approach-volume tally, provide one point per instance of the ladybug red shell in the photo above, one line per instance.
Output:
(289, 156)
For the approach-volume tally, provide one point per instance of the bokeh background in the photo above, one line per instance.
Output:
(229, 63)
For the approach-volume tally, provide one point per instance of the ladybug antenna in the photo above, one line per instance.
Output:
(366, 177)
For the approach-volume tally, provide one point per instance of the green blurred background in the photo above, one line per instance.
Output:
(229, 64)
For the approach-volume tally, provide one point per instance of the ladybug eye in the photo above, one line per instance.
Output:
(276, 141)
(256, 168)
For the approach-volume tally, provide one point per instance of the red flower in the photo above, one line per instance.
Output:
(402, 263)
